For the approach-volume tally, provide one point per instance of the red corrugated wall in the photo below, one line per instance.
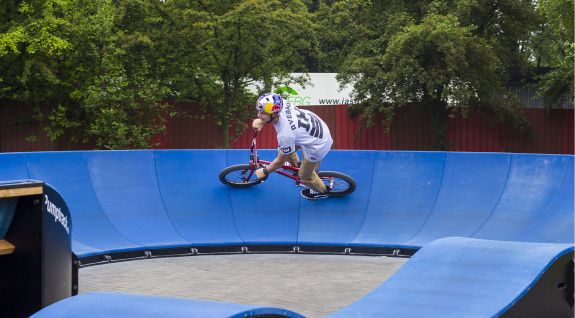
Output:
(19, 131)
(190, 129)
(552, 132)
(475, 133)
(411, 130)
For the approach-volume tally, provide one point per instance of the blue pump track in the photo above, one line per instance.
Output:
(506, 216)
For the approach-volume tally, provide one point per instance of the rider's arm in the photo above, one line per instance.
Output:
(273, 166)
(285, 149)
(277, 162)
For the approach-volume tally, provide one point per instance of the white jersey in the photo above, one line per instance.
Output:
(305, 129)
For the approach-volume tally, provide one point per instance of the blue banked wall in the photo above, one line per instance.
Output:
(112, 305)
(463, 277)
(146, 200)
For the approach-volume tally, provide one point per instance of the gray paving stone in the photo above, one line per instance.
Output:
(312, 285)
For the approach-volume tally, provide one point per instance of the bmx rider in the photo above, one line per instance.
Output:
(295, 128)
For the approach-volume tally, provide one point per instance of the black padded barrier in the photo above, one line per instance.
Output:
(38, 272)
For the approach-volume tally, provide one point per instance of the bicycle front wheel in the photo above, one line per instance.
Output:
(339, 183)
(240, 176)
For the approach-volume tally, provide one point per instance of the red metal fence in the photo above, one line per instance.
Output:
(411, 130)
(552, 132)
(19, 131)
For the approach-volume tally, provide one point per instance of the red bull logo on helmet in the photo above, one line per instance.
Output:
(270, 103)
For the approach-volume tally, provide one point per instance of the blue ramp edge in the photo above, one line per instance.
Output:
(459, 277)
(93, 232)
(148, 200)
(126, 186)
(194, 198)
(112, 305)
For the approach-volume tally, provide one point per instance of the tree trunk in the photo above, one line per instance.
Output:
(226, 135)
(225, 114)
(439, 122)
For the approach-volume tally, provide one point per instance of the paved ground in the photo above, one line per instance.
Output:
(312, 285)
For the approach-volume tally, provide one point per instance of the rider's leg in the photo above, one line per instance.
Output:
(293, 159)
(308, 175)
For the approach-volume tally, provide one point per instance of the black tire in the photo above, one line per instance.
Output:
(342, 183)
(234, 176)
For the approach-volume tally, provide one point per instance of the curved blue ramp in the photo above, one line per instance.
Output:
(402, 195)
(337, 222)
(124, 201)
(181, 185)
(127, 188)
(118, 305)
(533, 184)
(556, 226)
(266, 214)
(13, 167)
(93, 232)
(149, 202)
(471, 188)
(464, 277)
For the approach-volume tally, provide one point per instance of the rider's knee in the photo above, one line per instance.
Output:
(304, 177)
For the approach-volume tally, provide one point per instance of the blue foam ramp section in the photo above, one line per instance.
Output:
(136, 200)
(194, 198)
(267, 213)
(532, 186)
(125, 183)
(118, 305)
(13, 167)
(93, 233)
(403, 193)
(459, 277)
(338, 221)
(556, 223)
(471, 187)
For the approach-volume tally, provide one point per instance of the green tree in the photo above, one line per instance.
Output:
(234, 44)
(441, 54)
(553, 48)
(94, 62)
(114, 82)
(33, 36)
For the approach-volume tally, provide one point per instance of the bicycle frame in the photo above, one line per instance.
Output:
(256, 163)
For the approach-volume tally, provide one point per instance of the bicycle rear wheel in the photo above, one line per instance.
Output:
(339, 183)
(238, 176)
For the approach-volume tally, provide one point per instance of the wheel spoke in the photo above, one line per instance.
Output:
(239, 176)
(336, 184)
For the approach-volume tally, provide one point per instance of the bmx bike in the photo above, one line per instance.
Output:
(244, 175)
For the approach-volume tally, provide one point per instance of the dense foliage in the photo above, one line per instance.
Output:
(106, 69)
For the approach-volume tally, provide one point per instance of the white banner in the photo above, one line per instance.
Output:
(323, 89)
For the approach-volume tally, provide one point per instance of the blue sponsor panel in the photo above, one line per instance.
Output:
(266, 213)
(557, 222)
(403, 193)
(126, 186)
(336, 221)
(533, 184)
(57, 226)
(13, 167)
(460, 277)
(471, 188)
(103, 304)
(196, 201)
(68, 172)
